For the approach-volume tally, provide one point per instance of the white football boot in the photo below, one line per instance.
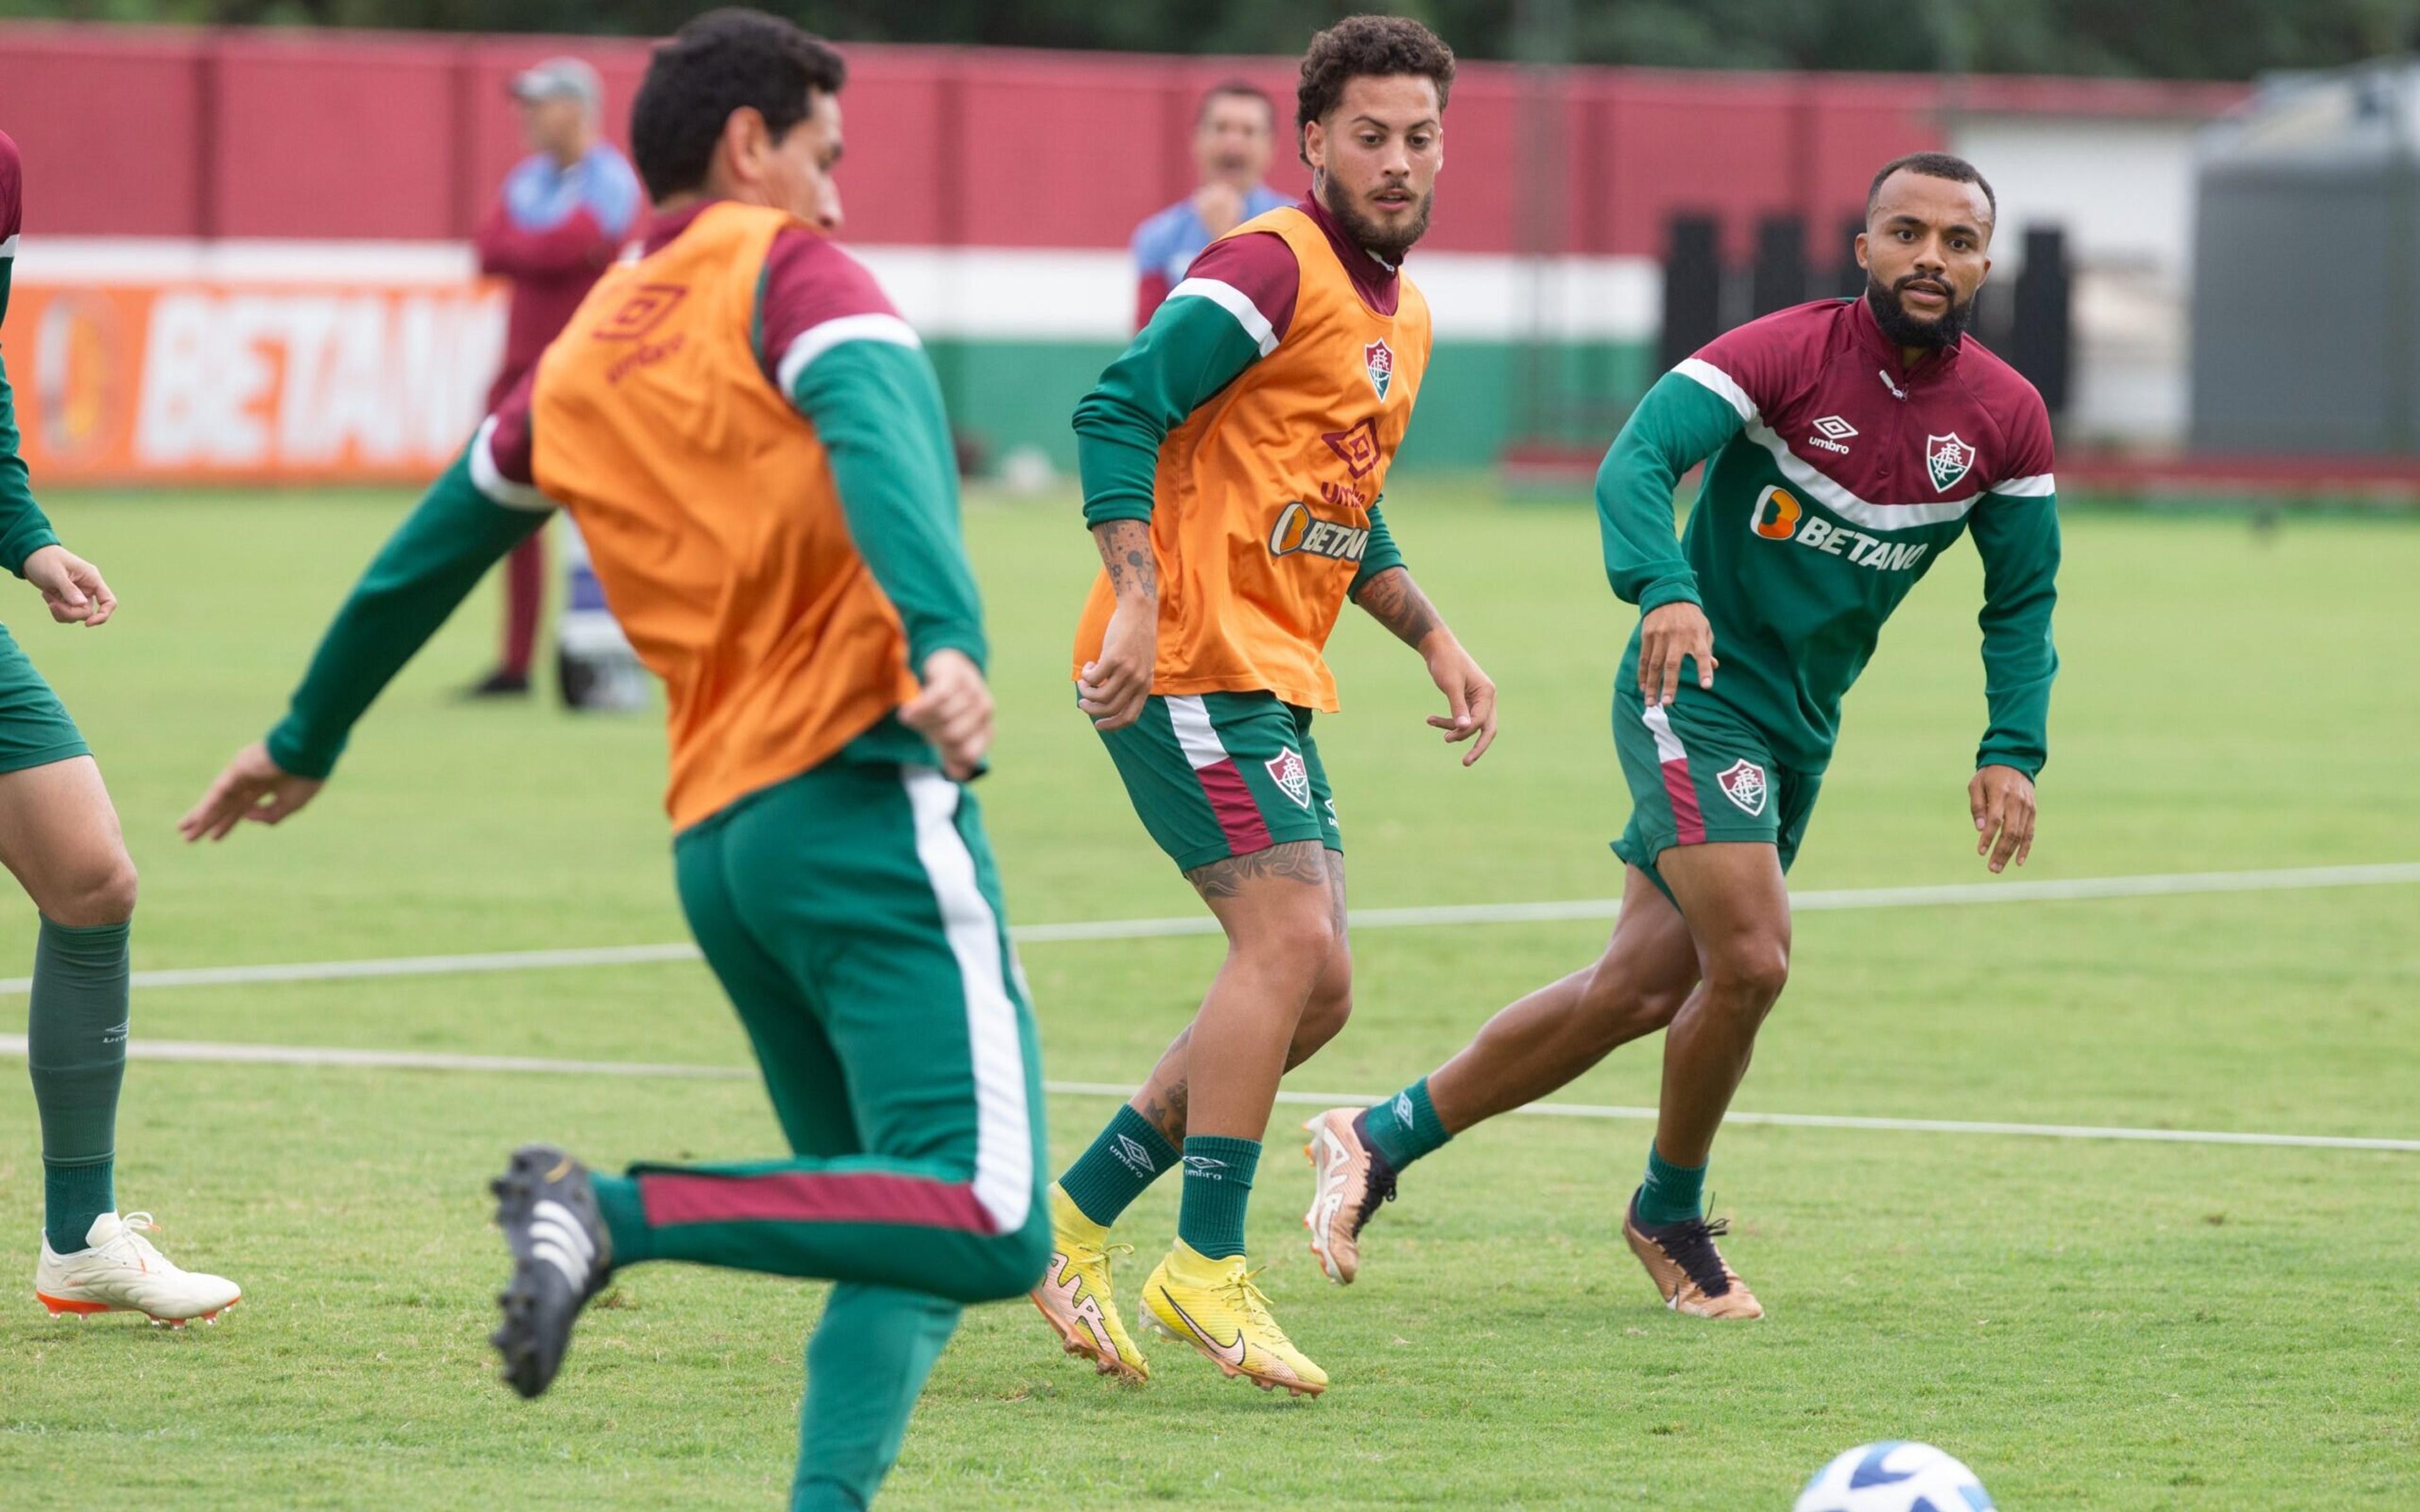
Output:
(121, 1269)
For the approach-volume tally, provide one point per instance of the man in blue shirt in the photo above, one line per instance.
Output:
(560, 220)
(1232, 132)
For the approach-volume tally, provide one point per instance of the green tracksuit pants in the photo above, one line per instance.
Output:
(853, 915)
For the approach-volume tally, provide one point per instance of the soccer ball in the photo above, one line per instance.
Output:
(1894, 1477)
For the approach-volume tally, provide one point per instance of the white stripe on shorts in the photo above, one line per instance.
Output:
(1667, 745)
(1004, 1181)
(1191, 717)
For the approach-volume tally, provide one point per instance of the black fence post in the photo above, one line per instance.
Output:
(1693, 288)
(2041, 342)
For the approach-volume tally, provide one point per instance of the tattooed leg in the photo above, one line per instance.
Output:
(1163, 1096)
(1279, 908)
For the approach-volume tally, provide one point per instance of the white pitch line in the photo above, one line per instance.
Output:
(212, 1052)
(2288, 879)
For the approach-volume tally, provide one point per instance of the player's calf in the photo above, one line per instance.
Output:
(562, 1253)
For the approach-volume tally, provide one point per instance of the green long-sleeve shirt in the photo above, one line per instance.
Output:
(24, 528)
(876, 408)
(1834, 480)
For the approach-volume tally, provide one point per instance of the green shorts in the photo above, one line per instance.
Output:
(1217, 775)
(35, 730)
(1697, 773)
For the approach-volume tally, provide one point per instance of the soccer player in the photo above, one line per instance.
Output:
(1233, 129)
(1232, 461)
(755, 446)
(1850, 442)
(59, 837)
(561, 215)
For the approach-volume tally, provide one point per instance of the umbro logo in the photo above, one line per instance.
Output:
(1133, 1156)
(1206, 1167)
(1832, 434)
(1404, 1108)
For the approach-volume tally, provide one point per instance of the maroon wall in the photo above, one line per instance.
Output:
(329, 133)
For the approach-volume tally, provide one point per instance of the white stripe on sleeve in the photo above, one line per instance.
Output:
(1708, 376)
(1003, 1183)
(8, 248)
(492, 482)
(1235, 302)
(2041, 486)
(817, 340)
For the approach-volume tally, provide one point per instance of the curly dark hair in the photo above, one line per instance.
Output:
(1362, 47)
(720, 62)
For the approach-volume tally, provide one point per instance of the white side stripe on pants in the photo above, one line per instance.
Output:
(1003, 1129)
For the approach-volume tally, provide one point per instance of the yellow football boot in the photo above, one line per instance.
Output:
(1213, 1305)
(1075, 1292)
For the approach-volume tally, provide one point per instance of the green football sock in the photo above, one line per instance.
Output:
(75, 1046)
(624, 1215)
(1218, 1189)
(866, 1364)
(1672, 1193)
(1128, 1155)
(1404, 1127)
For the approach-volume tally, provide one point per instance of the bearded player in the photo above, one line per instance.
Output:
(753, 446)
(1850, 442)
(1232, 461)
(59, 837)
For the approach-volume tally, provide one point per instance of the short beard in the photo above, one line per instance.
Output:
(1387, 246)
(1904, 330)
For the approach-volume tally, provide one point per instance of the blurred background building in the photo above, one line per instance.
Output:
(248, 253)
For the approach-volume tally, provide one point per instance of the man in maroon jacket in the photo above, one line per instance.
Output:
(558, 223)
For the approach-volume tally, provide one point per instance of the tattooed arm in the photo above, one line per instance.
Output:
(1395, 601)
(1114, 683)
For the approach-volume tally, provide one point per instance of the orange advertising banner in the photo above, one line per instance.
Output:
(203, 381)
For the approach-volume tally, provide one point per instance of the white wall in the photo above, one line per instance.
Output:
(2123, 189)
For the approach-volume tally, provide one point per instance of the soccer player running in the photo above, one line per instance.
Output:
(59, 837)
(1232, 461)
(1851, 444)
(753, 445)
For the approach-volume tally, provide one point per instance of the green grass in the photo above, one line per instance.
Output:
(2090, 1325)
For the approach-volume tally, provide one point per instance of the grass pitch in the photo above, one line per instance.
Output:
(2088, 1324)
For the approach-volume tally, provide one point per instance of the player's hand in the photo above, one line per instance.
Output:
(253, 787)
(954, 712)
(1220, 207)
(71, 587)
(1469, 699)
(1113, 685)
(1669, 633)
(2003, 800)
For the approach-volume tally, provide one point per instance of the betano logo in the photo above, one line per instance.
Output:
(1779, 516)
(1298, 529)
(1784, 519)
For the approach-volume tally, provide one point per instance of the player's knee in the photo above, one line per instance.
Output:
(1299, 944)
(100, 890)
(1750, 971)
(1616, 1006)
(1011, 1264)
(1323, 1019)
